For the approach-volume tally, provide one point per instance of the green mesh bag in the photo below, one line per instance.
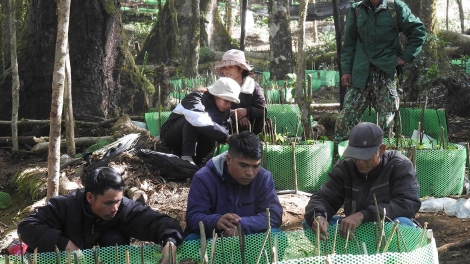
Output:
(313, 163)
(5, 200)
(300, 247)
(440, 172)
(410, 117)
(151, 119)
(406, 246)
(286, 117)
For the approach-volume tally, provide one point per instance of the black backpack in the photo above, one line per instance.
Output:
(170, 166)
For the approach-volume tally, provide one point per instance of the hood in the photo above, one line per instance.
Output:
(218, 163)
(248, 86)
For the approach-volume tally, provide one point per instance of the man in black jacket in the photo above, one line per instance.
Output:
(367, 170)
(97, 215)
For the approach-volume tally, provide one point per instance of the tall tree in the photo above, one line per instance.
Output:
(15, 89)
(300, 98)
(58, 83)
(2, 38)
(213, 33)
(339, 48)
(243, 24)
(280, 39)
(106, 81)
(175, 38)
(461, 16)
(68, 107)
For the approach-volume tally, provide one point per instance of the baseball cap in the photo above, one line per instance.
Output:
(226, 88)
(364, 139)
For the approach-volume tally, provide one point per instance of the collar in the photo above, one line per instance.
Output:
(248, 85)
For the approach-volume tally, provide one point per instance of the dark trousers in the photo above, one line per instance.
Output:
(186, 140)
(113, 237)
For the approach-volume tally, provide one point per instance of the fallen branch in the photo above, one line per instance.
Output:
(83, 141)
(29, 140)
(80, 123)
(453, 246)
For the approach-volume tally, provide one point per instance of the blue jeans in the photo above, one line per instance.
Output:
(195, 236)
(403, 221)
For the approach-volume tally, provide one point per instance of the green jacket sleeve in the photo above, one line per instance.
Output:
(413, 29)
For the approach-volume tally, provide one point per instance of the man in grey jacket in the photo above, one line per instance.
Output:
(368, 170)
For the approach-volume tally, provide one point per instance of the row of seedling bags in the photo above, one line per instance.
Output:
(383, 242)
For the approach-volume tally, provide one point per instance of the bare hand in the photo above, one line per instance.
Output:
(346, 80)
(323, 225)
(71, 246)
(400, 61)
(351, 223)
(244, 122)
(241, 112)
(166, 253)
(227, 222)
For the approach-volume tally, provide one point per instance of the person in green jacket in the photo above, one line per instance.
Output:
(371, 55)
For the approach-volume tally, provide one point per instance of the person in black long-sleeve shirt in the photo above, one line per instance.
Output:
(201, 119)
(97, 215)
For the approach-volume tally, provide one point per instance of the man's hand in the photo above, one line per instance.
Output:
(400, 61)
(244, 122)
(71, 246)
(228, 222)
(351, 223)
(346, 80)
(166, 252)
(241, 112)
(323, 225)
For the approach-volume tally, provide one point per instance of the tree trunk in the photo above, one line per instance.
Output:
(189, 28)
(106, 81)
(339, 47)
(162, 80)
(15, 89)
(213, 32)
(461, 16)
(243, 24)
(69, 121)
(280, 39)
(3, 46)
(455, 39)
(229, 16)
(299, 97)
(58, 82)
(428, 15)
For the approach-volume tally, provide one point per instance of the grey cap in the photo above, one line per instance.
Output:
(364, 139)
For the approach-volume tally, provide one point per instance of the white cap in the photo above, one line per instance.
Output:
(226, 88)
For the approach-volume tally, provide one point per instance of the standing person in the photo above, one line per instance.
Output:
(371, 55)
(233, 188)
(201, 119)
(367, 171)
(100, 215)
(252, 101)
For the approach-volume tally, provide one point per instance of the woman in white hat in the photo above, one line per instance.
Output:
(201, 119)
(252, 101)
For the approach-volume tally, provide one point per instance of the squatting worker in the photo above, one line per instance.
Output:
(201, 119)
(371, 55)
(100, 215)
(367, 170)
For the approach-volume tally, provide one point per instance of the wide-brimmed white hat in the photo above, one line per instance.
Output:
(232, 57)
(226, 88)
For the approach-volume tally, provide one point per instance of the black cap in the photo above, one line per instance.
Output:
(364, 139)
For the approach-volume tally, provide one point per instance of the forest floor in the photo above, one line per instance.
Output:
(171, 197)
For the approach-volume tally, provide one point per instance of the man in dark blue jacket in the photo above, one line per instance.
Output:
(98, 214)
(233, 188)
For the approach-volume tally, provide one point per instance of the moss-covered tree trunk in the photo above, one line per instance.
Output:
(213, 32)
(280, 39)
(175, 38)
(106, 81)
